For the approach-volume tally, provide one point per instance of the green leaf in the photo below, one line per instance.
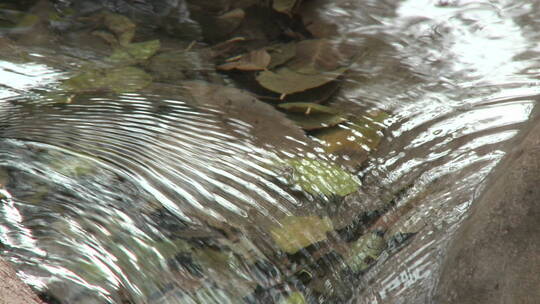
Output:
(355, 138)
(225, 270)
(294, 298)
(121, 26)
(127, 79)
(118, 80)
(365, 251)
(284, 6)
(72, 165)
(315, 63)
(311, 116)
(318, 95)
(135, 52)
(320, 177)
(87, 81)
(229, 21)
(297, 232)
(316, 121)
(177, 65)
(317, 55)
(281, 53)
(307, 107)
(287, 81)
(253, 61)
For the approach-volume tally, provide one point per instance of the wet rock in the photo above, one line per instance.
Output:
(12, 289)
(495, 256)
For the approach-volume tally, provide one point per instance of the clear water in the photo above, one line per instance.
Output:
(112, 193)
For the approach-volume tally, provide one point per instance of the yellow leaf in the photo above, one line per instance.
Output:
(297, 232)
(320, 177)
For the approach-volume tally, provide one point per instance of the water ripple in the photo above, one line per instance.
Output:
(108, 194)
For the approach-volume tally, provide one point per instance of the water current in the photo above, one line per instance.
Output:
(150, 197)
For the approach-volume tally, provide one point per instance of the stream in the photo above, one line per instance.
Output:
(171, 195)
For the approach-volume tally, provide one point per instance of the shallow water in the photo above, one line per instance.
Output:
(149, 197)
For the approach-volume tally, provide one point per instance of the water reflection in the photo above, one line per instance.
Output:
(457, 130)
(150, 197)
(477, 39)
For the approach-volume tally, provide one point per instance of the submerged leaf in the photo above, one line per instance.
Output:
(365, 251)
(312, 116)
(317, 95)
(91, 80)
(71, 165)
(121, 26)
(118, 80)
(135, 52)
(358, 136)
(320, 177)
(316, 121)
(294, 298)
(284, 6)
(127, 79)
(307, 108)
(317, 55)
(287, 81)
(170, 248)
(314, 63)
(253, 61)
(177, 65)
(320, 22)
(225, 270)
(229, 21)
(219, 28)
(107, 37)
(281, 53)
(297, 232)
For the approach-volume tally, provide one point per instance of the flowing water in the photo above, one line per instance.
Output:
(149, 197)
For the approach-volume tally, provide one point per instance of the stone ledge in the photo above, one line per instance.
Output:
(494, 257)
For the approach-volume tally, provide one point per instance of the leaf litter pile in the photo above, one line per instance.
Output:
(270, 59)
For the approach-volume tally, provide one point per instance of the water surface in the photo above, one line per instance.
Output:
(149, 197)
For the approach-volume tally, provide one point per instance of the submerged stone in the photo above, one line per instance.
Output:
(495, 255)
